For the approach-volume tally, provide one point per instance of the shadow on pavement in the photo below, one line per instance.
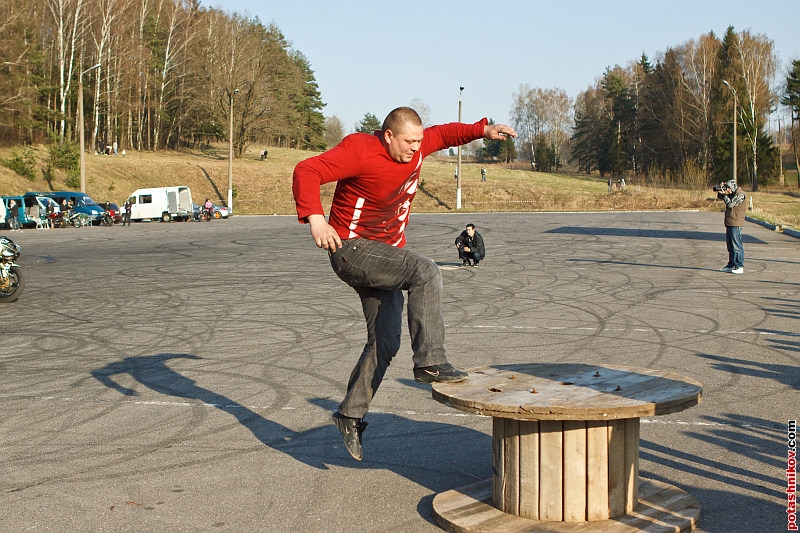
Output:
(652, 233)
(434, 455)
(783, 307)
(629, 263)
(740, 436)
(785, 374)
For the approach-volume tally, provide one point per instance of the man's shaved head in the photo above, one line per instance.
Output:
(398, 118)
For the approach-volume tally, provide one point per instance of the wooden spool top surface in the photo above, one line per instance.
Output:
(569, 391)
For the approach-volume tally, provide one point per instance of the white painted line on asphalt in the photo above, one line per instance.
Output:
(146, 402)
(682, 423)
(638, 330)
(422, 414)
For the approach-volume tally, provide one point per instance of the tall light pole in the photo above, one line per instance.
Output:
(80, 124)
(230, 155)
(458, 165)
(735, 105)
(780, 150)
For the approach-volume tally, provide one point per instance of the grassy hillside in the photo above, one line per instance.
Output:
(264, 187)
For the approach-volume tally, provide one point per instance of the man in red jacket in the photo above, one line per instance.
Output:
(377, 179)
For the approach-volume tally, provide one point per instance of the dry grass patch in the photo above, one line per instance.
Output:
(265, 187)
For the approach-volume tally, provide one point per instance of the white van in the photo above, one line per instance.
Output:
(161, 203)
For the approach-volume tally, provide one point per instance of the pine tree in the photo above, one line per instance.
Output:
(791, 99)
(369, 124)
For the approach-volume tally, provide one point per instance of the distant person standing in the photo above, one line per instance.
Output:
(51, 208)
(126, 216)
(483, 173)
(470, 246)
(610, 184)
(13, 215)
(115, 146)
(735, 211)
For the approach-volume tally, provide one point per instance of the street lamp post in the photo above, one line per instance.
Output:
(780, 151)
(230, 155)
(735, 105)
(80, 124)
(458, 165)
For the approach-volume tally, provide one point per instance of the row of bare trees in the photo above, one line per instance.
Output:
(675, 119)
(156, 74)
(543, 120)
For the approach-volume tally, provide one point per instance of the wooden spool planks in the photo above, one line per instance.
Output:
(567, 471)
(569, 391)
(662, 508)
(565, 452)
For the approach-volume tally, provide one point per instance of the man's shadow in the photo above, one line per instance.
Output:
(153, 372)
(434, 455)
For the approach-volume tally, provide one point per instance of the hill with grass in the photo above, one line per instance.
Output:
(264, 187)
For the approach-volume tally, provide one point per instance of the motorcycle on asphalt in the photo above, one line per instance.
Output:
(106, 219)
(78, 220)
(205, 214)
(11, 281)
(57, 220)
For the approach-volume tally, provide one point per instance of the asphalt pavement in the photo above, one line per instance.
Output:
(181, 376)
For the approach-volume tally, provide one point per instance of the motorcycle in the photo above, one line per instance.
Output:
(205, 215)
(106, 219)
(57, 220)
(11, 281)
(77, 220)
(70, 218)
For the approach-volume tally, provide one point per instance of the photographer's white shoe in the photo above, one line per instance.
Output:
(739, 270)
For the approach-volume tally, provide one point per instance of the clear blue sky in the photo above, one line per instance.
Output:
(372, 56)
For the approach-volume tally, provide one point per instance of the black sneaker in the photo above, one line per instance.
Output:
(351, 430)
(465, 263)
(444, 373)
(475, 263)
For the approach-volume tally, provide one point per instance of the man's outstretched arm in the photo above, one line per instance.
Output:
(498, 132)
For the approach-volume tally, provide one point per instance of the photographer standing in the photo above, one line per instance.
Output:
(735, 210)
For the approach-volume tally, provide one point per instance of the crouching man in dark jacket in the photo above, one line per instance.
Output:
(470, 246)
(735, 211)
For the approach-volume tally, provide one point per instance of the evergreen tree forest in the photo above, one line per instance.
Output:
(673, 120)
(155, 74)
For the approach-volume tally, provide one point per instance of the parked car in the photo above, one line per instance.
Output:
(161, 203)
(81, 203)
(220, 211)
(32, 210)
(112, 208)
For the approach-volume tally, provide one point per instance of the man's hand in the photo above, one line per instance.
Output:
(324, 234)
(498, 132)
(466, 249)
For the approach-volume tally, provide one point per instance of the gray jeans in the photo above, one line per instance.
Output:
(379, 273)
